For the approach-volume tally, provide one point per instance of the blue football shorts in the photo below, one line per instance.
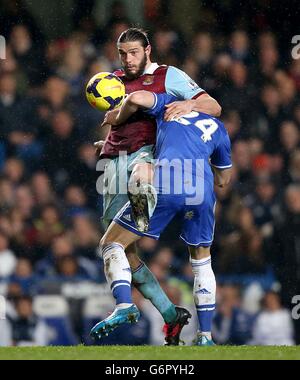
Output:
(198, 221)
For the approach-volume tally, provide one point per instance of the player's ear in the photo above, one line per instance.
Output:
(148, 50)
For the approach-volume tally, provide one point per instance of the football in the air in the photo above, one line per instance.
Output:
(105, 91)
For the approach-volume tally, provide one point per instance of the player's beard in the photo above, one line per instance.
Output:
(140, 70)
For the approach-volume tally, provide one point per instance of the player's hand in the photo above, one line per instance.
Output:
(98, 145)
(110, 118)
(177, 109)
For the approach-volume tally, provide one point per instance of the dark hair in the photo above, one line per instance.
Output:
(134, 34)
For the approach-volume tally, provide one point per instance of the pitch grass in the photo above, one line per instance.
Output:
(151, 353)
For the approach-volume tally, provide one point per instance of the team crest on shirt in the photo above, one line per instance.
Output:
(189, 215)
(149, 79)
(193, 85)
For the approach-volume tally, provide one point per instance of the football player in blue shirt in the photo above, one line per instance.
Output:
(193, 154)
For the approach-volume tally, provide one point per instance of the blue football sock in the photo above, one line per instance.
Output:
(121, 291)
(205, 318)
(147, 284)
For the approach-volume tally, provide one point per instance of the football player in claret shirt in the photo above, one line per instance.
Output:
(137, 138)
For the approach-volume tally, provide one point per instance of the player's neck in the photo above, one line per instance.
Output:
(148, 64)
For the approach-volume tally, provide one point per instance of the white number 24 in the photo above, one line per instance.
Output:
(207, 126)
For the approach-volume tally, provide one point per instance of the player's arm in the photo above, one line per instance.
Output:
(220, 160)
(222, 176)
(204, 103)
(134, 101)
(194, 98)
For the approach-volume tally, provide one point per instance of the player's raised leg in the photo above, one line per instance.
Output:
(204, 292)
(113, 243)
(175, 317)
(118, 275)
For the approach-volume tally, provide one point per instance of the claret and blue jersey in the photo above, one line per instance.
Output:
(189, 146)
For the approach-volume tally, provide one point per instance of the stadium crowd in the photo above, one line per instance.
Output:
(50, 212)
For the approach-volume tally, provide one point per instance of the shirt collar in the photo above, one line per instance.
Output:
(151, 68)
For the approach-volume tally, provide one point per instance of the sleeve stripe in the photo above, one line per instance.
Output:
(199, 94)
(222, 167)
(155, 102)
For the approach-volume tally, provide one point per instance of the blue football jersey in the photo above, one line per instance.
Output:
(191, 138)
(185, 150)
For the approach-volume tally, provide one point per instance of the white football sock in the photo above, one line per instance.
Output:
(204, 292)
(118, 273)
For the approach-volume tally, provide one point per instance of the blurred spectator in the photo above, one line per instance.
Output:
(68, 270)
(231, 324)
(52, 265)
(239, 93)
(242, 157)
(62, 147)
(72, 67)
(76, 201)
(6, 193)
(85, 236)
(294, 168)
(269, 116)
(242, 250)
(24, 277)
(14, 170)
(24, 201)
(27, 328)
(42, 189)
(273, 326)
(164, 43)
(29, 57)
(285, 250)
(268, 59)
(48, 226)
(55, 97)
(239, 48)
(9, 101)
(264, 204)
(287, 90)
(86, 172)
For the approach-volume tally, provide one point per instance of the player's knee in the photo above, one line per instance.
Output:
(133, 183)
(199, 253)
(106, 247)
(102, 244)
(142, 173)
(105, 241)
